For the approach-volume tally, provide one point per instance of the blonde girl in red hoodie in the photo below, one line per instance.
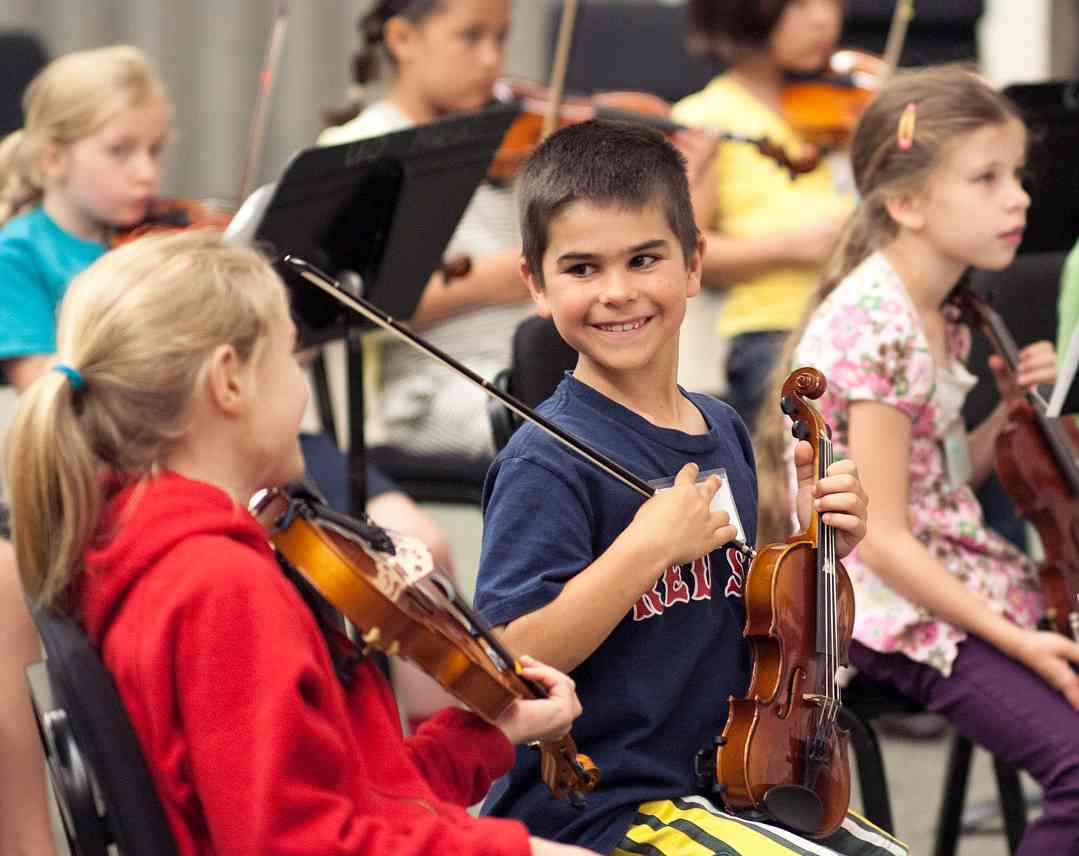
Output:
(130, 466)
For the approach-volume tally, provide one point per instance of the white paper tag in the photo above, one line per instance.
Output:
(957, 455)
(722, 501)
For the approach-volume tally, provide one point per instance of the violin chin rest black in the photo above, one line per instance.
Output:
(795, 807)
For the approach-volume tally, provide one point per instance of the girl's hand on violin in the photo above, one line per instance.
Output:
(543, 847)
(542, 718)
(1037, 365)
(839, 498)
(680, 523)
(698, 146)
(813, 244)
(1051, 655)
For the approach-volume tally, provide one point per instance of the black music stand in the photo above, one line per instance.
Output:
(377, 212)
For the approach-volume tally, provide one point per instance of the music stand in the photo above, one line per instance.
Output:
(383, 209)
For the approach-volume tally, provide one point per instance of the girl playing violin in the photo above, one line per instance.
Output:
(87, 160)
(768, 233)
(946, 609)
(444, 57)
(178, 396)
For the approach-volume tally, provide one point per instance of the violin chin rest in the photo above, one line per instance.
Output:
(795, 806)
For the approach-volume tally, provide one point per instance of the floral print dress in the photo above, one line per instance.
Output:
(867, 339)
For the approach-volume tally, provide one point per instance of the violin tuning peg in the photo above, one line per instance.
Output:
(788, 405)
(800, 431)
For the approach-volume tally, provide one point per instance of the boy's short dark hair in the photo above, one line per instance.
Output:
(727, 29)
(602, 162)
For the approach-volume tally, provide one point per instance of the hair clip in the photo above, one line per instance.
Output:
(905, 133)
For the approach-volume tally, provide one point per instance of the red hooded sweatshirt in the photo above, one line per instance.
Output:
(254, 745)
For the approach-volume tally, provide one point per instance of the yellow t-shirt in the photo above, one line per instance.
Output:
(756, 196)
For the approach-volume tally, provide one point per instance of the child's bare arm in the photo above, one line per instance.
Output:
(671, 528)
(493, 279)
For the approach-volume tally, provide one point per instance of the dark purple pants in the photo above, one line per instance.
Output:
(1001, 705)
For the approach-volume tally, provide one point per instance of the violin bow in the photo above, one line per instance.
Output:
(897, 35)
(257, 133)
(382, 319)
(558, 68)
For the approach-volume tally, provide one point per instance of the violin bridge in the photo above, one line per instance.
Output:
(372, 636)
(816, 698)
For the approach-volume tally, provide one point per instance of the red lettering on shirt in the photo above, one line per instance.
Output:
(676, 589)
(734, 581)
(701, 571)
(649, 604)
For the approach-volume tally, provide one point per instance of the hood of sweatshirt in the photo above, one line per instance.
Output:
(139, 526)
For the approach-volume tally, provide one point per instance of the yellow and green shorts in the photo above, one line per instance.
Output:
(693, 826)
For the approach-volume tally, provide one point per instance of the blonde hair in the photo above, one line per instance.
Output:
(67, 101)
(949, 103)
(139, 326)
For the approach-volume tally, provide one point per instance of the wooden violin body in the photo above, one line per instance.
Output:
(390, 592)
(1036, 464)
(1046, 494)
(174, 215)
(782, 751)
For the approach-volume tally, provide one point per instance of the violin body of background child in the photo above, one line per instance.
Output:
(947, 610)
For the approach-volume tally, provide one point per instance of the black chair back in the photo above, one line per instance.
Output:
(102, 785)
(540, 357)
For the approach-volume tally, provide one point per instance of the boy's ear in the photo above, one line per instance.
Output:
(907, 209)
(227, 382)
(539, 295)
(695, 267)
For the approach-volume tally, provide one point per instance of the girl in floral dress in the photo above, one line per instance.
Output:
(946, 609)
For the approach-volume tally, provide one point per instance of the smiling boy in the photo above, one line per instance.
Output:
(641, 603)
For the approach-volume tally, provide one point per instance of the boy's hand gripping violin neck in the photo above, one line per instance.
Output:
(389, 590)
(782, 752)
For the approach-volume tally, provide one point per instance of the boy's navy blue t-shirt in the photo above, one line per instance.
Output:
(656, 689)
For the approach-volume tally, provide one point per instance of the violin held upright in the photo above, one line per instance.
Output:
(781, 752)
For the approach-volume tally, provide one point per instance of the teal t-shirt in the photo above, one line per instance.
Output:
(37, 261)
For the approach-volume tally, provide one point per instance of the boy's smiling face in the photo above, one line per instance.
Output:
(615, 283)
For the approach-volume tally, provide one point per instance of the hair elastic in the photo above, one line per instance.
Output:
(73, 375)
(905, 132)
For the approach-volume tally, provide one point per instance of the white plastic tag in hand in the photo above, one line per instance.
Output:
(957, 455)
(722, 501)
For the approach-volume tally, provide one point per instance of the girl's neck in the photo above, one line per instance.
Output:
(927, 275)
(73, 221)
(761, 76)
(411, 102)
